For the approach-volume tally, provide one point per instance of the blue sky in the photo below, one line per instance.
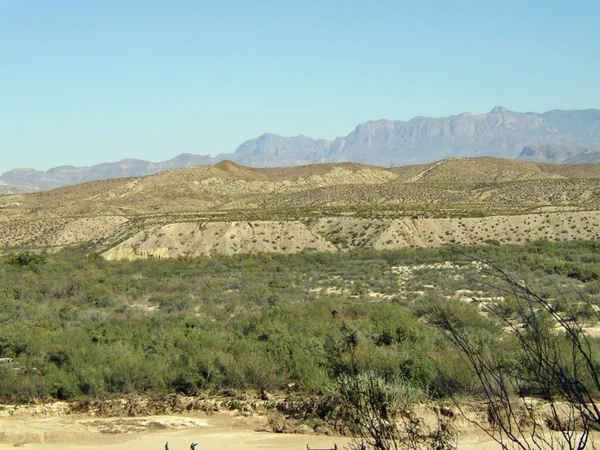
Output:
(90, 81)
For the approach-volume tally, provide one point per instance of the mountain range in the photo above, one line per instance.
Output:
(555, 136)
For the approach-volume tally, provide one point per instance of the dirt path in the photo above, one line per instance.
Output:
(52, 427)
(218, 431)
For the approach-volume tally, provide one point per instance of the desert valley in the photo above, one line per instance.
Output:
(299, 224)
(210, 296)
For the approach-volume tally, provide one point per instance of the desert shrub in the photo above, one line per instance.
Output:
(171, 303)
(27, 259)
(100, 296)
(581, 272)
(339, 240)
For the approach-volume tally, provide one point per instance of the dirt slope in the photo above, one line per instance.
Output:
(337, 234)
(229, 238)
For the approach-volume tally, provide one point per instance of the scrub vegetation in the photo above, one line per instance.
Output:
(74, 326)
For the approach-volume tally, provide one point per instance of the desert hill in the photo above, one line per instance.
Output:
(229, 208)
(555, 136)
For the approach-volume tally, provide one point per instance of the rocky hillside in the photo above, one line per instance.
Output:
(337, 234)
(230, 209)
(385, 143)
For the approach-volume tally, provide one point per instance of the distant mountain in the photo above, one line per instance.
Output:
(29, 180)
(270, 150)
(590, 156)
(554, 136)
(548, 153)
(581, 126)
(5, 189)
(561, 154)
(501, 133)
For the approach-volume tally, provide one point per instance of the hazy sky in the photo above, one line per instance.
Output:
(90, 81)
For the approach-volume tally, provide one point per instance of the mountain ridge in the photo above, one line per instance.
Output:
(388, 143)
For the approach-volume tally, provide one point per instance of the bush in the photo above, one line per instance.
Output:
(27, 259)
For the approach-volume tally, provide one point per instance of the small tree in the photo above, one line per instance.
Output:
(375, 411)
(544, 354)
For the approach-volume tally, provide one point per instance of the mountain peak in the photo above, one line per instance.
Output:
(227, 165)
(499, 110)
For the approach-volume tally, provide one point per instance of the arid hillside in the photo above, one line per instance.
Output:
(228, 208)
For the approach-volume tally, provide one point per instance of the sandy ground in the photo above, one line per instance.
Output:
(210, 432)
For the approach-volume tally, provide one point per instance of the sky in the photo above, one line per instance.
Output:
(89, 81)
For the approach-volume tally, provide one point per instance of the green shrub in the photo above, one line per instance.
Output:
(27, 259)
